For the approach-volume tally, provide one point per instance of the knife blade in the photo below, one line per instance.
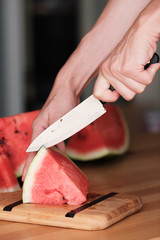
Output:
(72, 122)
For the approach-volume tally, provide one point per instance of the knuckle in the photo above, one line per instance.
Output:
(113, 67)
(96, 93)
(109, 69)
(104, 69)
(126, 70)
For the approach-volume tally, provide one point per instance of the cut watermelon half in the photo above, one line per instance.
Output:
(15, 136)
(108, 135)
(8, 180)
(52, 178)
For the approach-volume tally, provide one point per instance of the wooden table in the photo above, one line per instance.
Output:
(137, 172)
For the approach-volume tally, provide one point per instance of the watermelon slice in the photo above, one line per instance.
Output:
(52, 178)
(8, 180)
(15, 136)
(105, 136)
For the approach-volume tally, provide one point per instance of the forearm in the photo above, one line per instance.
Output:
(149, 19)
(113, 23)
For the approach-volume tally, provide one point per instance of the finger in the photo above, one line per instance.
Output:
(27, 163)
(36, 129)
(131, 84)
(121, 89)
(61, 146)
(101, 90)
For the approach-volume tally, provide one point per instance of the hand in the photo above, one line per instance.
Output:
(124, 68)
(58, 103)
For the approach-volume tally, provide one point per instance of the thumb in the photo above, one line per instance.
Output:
(153, 68)
(37, 128)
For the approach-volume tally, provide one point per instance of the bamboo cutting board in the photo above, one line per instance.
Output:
(99, 212)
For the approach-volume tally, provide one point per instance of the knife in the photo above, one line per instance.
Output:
(73, 121)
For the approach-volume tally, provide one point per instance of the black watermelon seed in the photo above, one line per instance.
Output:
(2, 140)
(81, 136)
(8, 154)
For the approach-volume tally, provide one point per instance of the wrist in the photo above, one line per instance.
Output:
(149, 19)
(79, 69)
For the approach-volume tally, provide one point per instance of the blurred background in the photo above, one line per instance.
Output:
(36, 38)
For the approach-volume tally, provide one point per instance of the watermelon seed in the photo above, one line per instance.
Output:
(8, 154)
(81, 136)
(2, 140)
(26, 133)
(16, 131)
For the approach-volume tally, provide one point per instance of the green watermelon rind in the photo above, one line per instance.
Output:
(103, 152)
(29, 179)
(18, 172)
(11, 189)
(94, 155)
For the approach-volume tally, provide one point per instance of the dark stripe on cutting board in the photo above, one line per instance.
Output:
(87, 205)
(12, 205)
(72, 212)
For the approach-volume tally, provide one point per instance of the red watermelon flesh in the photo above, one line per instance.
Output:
(15, 136)
(52, 178)
(8, 180)
(107, 135)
